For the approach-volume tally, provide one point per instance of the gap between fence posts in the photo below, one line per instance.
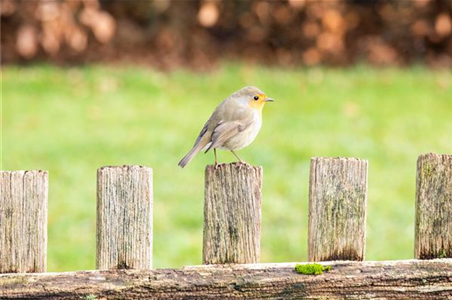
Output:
(124, 217)
(23, 221)
(433, 227)
(232, 214)
(337, 209)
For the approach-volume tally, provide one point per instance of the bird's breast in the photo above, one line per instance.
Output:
(245, 137)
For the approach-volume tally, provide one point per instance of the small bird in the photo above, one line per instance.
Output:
(233, 125)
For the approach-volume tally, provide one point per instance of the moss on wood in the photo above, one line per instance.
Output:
(311, 269)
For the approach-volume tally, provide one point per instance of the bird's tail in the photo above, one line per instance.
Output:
(187, 158)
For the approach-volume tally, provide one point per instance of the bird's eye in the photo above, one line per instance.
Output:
(256, 97)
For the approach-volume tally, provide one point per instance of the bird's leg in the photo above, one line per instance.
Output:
(216, 160)
(240, 160)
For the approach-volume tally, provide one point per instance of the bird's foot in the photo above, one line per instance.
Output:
(241, 164)
(217, 165)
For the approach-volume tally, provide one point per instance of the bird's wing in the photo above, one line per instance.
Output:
(226, 130)
(202, 133)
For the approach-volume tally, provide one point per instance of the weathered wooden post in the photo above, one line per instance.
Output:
(232, 214)
(337, 209)
(23, 221)
(124, 217)
(433, 230)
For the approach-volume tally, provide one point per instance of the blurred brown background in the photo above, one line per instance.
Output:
(197, 34)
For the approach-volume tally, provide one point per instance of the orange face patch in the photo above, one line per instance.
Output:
(259, 103)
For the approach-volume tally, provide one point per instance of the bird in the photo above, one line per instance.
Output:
(233, 125)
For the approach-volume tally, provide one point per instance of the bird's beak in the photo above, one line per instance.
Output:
(269, 99)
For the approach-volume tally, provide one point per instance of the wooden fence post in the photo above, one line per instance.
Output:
(23, 221)
(124, 217)
(232, 214)
(337, 209)
(433, 230)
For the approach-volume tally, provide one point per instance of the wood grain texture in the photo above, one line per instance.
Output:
(124, 217)
(23, 221)
(337, 209)
(425, 279)
(232, 214)
(433, 230)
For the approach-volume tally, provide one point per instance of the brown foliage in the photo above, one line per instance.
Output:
(168, 33)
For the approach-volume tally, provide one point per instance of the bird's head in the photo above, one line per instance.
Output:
(253, 97)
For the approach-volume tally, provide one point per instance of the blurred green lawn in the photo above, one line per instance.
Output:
(71, 121)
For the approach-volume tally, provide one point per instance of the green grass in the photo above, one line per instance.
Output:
(71, 121)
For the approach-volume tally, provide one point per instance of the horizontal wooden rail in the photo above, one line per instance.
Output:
(410, 279)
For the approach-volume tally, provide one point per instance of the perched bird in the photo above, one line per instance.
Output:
(233, 125)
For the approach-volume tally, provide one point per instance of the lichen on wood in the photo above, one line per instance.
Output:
(232, 214)
(23, 221)
(433, 238)
(124, 217)
(337, 209)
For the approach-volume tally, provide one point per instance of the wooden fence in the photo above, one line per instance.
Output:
(231, 244)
